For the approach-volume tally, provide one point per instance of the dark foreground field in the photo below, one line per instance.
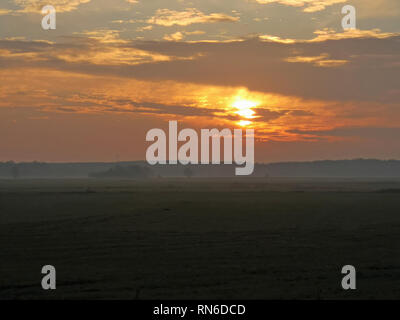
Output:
(196, 238)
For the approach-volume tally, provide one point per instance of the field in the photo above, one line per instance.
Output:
(200, 238)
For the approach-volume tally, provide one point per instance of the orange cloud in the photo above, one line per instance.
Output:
(308, 5)
(4, 12)
(319, 61)
(168, 18)
(330, 34)
(59, 5)
(177, 36)
(275, 117)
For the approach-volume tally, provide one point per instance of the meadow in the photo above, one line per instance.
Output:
(194, 238)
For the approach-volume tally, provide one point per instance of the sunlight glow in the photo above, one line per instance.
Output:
(244, 123)
(246, 113)
(243, 108)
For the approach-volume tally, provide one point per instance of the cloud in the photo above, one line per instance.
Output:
(358, 132)
(59, 5)
(370, 74)
(301, 113)
(178, 36)
(65, 92)
(163, 109)
(277, 117)
(4, 12)
(319, 61)
(98, 47)
(276, 39)
(266, 115)
(168, 18)
(144, 28)
(307, 5)
(330, 34)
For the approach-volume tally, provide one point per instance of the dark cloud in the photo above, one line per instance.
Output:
(371, 73)
(301, 113)
(160, 109)
(266, 115)
(361, 132)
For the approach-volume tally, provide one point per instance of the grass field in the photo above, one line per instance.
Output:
(200, 238)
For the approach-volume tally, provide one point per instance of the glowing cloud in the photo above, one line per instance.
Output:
(168, 18)
(59, 5)
(309, 5)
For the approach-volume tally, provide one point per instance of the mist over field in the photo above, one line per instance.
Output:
(359, 168)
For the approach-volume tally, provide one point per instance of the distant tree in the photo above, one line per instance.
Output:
(188, 172)
(15, 171)
(128, 172)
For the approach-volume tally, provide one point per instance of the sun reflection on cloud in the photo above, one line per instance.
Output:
(244, 123)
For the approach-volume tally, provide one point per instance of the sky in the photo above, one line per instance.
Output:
(111, 71)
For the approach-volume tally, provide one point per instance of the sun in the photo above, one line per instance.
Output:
(243, 108)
